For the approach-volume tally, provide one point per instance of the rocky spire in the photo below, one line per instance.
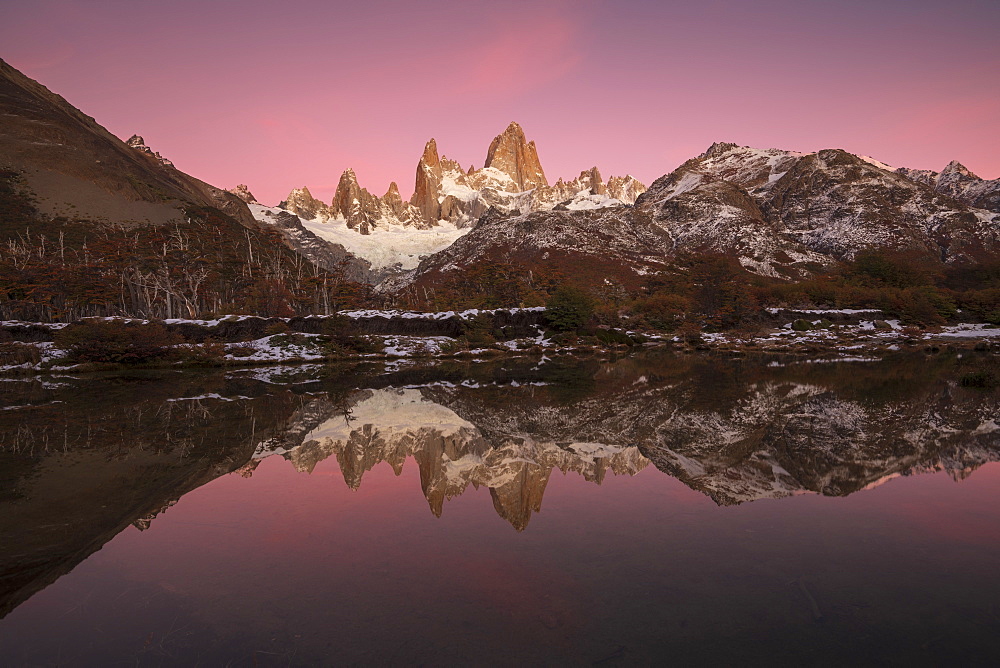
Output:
(357, 206)
(591, 178)
(513, 155)
(394, 201)
(428, 183)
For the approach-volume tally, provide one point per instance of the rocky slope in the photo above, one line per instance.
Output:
(132, 222)
(74, 167)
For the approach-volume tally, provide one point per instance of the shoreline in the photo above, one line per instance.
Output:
(845, 343)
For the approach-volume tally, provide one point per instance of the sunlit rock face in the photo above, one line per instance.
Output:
(243, 192)
(511, 180)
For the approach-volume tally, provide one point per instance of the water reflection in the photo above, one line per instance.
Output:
(392, 425)
(82, 459)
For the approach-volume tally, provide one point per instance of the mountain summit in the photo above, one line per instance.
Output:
(511, 153)
(512, 180)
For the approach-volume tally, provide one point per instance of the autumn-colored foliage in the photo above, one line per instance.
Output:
(112, 341)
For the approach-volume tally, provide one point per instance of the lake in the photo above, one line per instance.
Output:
(691, 509)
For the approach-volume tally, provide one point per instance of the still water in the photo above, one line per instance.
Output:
(649, 509)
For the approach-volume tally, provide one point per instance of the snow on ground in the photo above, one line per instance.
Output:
(585, 202)
(969, 331)
(825, 311)
(410, 346)
(436, 315)
(877, 163)
(387, 245)
(278, 347)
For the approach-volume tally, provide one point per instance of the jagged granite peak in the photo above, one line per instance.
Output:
(592, 178)
(397, 209)
(427, 183)
(355, 204)
(243, 192)
(511, 153)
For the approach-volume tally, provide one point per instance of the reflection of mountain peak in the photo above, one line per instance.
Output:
(391, 425)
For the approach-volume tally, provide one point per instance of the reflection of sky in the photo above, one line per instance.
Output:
(280, 95)
(635, 561)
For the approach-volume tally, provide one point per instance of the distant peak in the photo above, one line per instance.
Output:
(955, 167)
(430, 154)
(717, 149)
(514, 128)
(513, 154)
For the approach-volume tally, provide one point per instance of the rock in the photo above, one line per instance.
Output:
(625, 189)
(428, 183)
(139, 144)
(301, 202)
(512, 154)
(243, 192)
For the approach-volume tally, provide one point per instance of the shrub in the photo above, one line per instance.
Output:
(346, 344)
(278, 327)
(116, 341)
(569, 308)
(662, 310)
(801, 325)
(614, 337)
(478, 331)
(209, 351)
(19, 353)
(689, 332)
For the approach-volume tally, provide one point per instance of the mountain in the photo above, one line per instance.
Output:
(73, 166)
(393, 234)
(780, 213)
(955, 180)
(93, 225)
(512, 180)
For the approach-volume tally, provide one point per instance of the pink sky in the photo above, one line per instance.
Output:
(281, 95)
